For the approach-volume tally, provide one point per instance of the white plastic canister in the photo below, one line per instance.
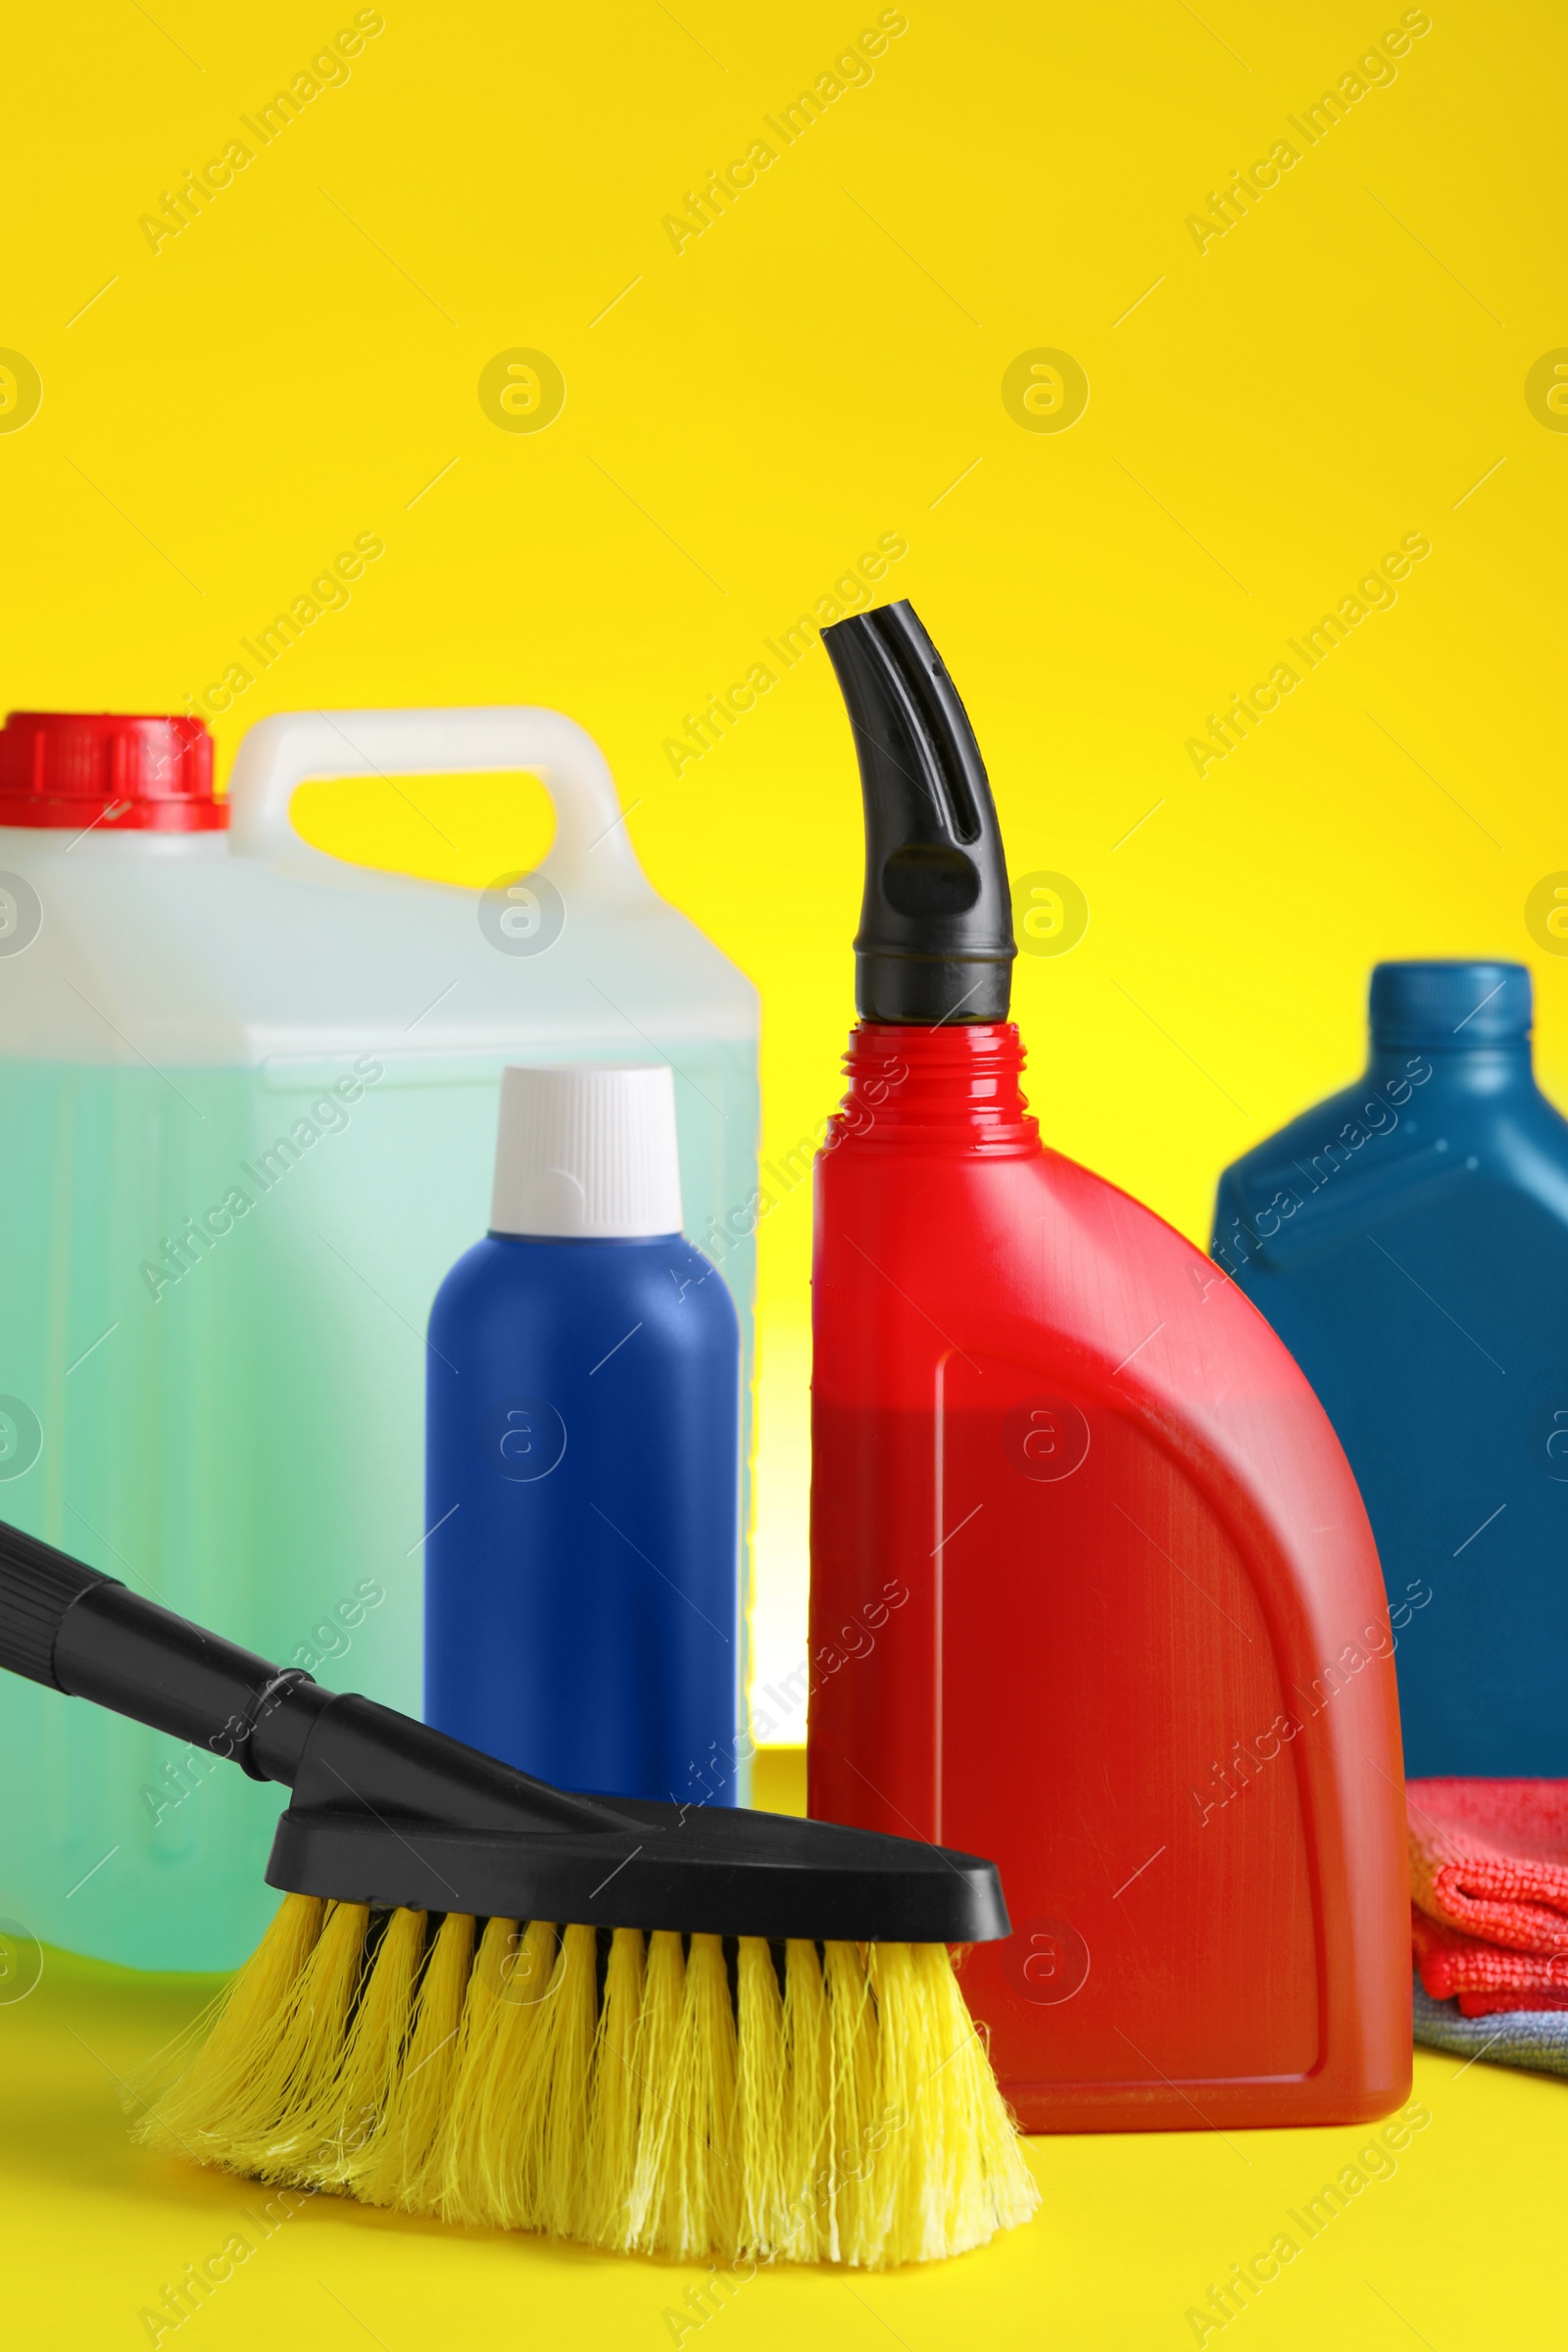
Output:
(248, 1101)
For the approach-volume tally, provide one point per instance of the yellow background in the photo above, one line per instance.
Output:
(813, 371)
(824, 365)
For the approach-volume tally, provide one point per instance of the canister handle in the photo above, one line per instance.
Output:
(591, 849)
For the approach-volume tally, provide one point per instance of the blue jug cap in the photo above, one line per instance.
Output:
(1452, 1005)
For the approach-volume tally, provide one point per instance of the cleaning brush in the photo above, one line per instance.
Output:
(647, 2027)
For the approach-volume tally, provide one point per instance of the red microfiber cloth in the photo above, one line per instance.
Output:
(1491, 1859)
(1452, 1963)
(1488, 2004)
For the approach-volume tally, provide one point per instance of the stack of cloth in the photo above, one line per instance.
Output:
(1488, 1919)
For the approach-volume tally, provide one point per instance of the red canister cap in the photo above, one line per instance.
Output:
(116, 774)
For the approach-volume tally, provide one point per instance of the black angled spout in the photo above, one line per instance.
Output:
(935, 942)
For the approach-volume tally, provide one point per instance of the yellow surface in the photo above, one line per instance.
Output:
(744, 419)
(1449, 2241)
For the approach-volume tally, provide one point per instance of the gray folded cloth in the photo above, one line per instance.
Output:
(1533, 2037)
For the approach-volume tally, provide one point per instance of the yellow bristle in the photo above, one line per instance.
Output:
(664, 1990)
(564, 2174)
(957, 2172)
(616, 2096)
(909, 2183)
(705, 2207)
(854, 2120)
(395, 2166)
(294, 2056)
(460, 2179)
(191, 2116)
(808, 2106)
(505, 2132)
(988, 2186)
(330, 2137)
(760, 2098)
(295, 2079)
(853, 2046)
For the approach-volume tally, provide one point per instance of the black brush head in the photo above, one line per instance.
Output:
(389, 1812)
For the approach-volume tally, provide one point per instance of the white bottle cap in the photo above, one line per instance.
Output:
(587, 1150)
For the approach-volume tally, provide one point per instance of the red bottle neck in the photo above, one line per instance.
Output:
(949, 1087)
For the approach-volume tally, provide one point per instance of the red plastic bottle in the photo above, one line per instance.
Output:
(1092, 1591)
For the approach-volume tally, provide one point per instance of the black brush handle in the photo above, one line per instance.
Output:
(38, 1587)
(89, 1636)
(65, 1625)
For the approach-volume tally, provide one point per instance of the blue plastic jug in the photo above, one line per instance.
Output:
(1408, 1240)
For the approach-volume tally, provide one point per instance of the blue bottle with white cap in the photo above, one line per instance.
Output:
(1408, 1240)
(583, 1434)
